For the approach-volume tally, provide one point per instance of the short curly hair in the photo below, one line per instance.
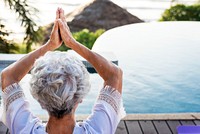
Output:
(59, 81)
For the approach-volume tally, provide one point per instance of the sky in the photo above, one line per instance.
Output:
(148, 10)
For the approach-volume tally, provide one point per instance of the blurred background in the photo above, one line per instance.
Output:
(161, 68)
(26, 24)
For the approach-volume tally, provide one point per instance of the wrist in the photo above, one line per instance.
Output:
(49, 46)
(71, 42)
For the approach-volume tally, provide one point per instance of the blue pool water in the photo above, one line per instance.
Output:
(161, 63)
(172, 88)
(158, 77)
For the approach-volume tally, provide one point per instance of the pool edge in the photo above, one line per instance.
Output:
(173, 116)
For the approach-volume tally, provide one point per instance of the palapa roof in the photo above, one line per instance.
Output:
(98, 14)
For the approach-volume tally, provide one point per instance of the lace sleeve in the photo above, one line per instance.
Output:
(16, 113)
(111, 96)
(11, 93)
(106, 114)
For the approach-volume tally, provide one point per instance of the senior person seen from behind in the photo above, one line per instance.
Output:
(59, 83)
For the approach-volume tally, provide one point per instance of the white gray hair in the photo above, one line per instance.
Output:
(59, 81)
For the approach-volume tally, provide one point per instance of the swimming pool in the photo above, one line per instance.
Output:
(161, 73)
(161, 63)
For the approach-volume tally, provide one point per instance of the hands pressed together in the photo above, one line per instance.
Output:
(111, 74)
(60, 31)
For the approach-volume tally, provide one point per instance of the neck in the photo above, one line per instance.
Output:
(64, 125)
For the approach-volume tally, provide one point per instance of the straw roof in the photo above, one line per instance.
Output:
(98, 14)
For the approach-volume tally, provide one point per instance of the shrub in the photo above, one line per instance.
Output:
(85, 37)
(182, 12)
(22, 49)
(8, 47)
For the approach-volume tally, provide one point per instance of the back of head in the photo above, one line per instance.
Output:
(59, 81)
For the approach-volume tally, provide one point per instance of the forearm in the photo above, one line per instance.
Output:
(16, 71)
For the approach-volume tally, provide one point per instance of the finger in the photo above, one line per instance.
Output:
(62, 17)
(59, 34)
(62, 14)
(55, 27)
(61, 27)
(60, 24)
(57, 13)
(66, 25)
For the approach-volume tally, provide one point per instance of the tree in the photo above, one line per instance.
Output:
(25, 13)
(181, 12)
(177, 1)
(5, 45)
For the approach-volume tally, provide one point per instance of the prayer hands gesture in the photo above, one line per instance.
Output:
(60, 31)
(111, 74)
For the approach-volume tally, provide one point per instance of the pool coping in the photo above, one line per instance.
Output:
(11, 58)
(170, 116)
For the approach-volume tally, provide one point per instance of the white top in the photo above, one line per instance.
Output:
(106, 113)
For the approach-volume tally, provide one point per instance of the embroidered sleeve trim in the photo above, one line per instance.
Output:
(14, 97)
(11, 93)
(11, 89)
(111, 96)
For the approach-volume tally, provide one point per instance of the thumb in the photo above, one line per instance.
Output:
(60, 23)
(61, 27)
(55, 27)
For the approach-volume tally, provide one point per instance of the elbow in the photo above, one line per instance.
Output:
(3, 79)
(116, 75)
(118, 72)
(121, 72)
(6, 78)
(115, 79)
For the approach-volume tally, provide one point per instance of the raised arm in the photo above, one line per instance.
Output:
(16, 71)
(111, 74)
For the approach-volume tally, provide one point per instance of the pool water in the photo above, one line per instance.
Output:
(161, 65)
(161, 75)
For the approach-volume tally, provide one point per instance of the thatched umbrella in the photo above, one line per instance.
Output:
(98, 14)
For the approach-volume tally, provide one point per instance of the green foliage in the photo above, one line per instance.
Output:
(6, 46)
(24, 12)
(182, 12)
(85, 37)
(40, 35)
(21, 49)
